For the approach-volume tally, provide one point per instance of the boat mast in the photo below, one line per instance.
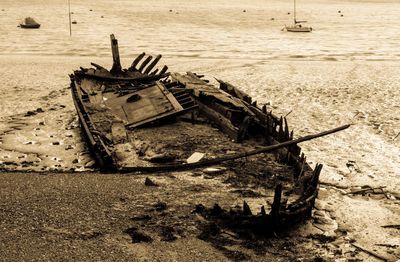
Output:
(69, 15)
(294, 11)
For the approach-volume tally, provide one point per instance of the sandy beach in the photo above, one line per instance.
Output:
(55, 206)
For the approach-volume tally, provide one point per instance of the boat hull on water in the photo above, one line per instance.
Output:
(298, 29)
(25, 26)
(144, 120)
(29, 23)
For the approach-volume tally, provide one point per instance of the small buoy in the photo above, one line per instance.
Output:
(272, 19)
(341, 15)
(91, 10)
(170, 10)
(339, 11)
(244, 11)
(288, 13)
(74, 22)
(102, 16)
(72, 13)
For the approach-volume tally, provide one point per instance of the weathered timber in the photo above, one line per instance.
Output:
(230, 89)
(370, 252)
(244, 128)
(116, 67)
(246, 209)
(276, 205)
(154, 72)
(222, 122)
(287, 133)
(99, 67)
(136, 61)
(152, 64)
(163, 70)
(145, 62)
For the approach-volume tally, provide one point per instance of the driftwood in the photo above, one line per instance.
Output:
(391, 226)
(364, 190)
(370, 252)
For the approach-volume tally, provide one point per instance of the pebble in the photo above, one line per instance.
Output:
(149, 182)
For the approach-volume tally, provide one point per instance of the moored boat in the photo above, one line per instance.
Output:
(297, 26)
(142, 119)
(29, 23)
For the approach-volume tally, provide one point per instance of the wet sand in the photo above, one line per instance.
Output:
(86, 215)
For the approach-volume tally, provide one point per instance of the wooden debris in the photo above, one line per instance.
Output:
(145, 62)
(370, 252)
(246, 209)
(365, 190)
(136, 61)
(392, 226)
(152, 65)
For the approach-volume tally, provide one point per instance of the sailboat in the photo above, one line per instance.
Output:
(297, 26)
(29, 23)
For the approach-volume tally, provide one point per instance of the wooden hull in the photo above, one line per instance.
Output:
(27, 26)
(296, 29)
(136, 123)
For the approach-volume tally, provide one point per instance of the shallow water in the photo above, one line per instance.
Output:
(206, 29)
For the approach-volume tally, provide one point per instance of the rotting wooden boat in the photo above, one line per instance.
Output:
(29, 23)
(143, 119)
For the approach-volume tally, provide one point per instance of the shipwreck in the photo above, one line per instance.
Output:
(146, 119)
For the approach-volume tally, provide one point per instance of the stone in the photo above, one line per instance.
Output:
(195, 157)
(149, 182)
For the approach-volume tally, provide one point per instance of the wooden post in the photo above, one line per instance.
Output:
(276, 205)
(116, 68)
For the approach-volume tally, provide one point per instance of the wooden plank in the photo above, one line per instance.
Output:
(223, 123)
(159, 117)
(93, 91)
(169, 96)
